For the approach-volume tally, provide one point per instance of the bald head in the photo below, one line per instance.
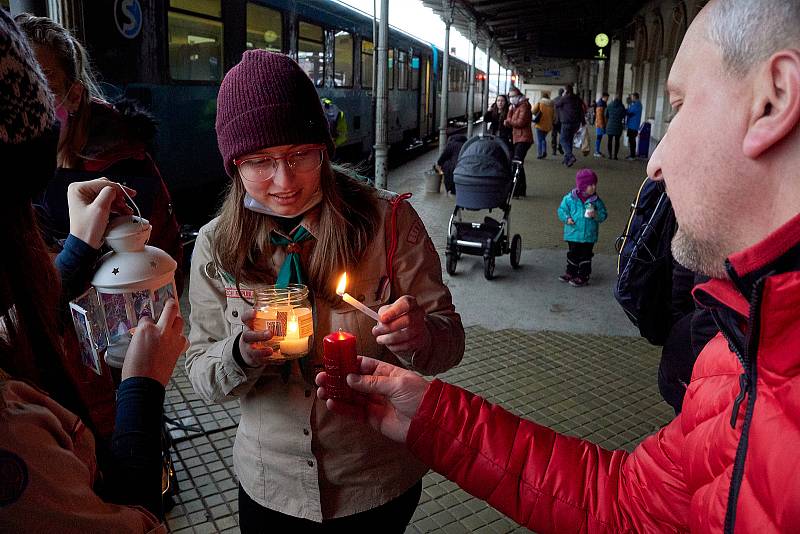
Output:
(749, 31)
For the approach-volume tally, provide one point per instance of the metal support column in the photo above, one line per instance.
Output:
(381, 107)
(485, 103)
(448, 14)
(471, 86)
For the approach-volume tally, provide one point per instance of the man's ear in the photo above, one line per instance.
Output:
(775, 109)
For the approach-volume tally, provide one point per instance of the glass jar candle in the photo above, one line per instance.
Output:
(287, 313)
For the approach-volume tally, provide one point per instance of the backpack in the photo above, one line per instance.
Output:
(644, 265)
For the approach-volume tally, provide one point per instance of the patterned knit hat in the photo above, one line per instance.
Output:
(28, 132)
(267, 100)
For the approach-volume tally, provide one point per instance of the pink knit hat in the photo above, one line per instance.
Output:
(267, 100)
(585, 178)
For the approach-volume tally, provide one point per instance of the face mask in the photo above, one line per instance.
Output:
(254, 205)
(61, 112)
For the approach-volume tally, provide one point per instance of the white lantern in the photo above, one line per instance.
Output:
(133, 280)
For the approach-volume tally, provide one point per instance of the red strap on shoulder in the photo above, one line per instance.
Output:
(393, 235)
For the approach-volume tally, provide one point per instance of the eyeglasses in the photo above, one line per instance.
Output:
(262, 167)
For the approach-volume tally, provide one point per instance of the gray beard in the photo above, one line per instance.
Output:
(699, 255)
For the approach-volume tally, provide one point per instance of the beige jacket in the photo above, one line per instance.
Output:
(291, 454)
(48, 468)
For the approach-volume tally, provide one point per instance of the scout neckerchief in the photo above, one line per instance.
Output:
(291, 271)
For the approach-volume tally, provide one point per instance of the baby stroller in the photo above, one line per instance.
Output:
(484, 180)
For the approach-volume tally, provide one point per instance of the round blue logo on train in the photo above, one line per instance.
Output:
(128, 17)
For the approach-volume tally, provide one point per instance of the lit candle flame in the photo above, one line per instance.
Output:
(342, 286)
(291, 327)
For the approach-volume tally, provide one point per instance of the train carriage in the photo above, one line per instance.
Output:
(172, 55)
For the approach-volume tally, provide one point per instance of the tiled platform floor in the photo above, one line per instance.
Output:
(600, 388)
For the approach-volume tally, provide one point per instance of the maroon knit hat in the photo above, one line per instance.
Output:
(267, 100)
(585, 178)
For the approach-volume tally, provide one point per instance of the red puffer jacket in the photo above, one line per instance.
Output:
(728, 462)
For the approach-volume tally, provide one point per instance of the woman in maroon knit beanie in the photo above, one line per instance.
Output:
(289, 217)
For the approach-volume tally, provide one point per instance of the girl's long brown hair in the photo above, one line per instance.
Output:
(30, 289)
(347, 223)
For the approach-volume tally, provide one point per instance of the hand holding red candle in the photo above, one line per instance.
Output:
(339, 358)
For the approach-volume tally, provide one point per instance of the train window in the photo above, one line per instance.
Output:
(311, 51)
(390, 73)
(195, 40)
(415, 62)
(264, 28)
(343, 60)
(402, 70)
(367, 51)
(211, 8)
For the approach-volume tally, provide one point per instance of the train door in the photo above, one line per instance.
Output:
(425, 102)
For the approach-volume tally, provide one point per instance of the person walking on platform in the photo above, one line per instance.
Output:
(581, 211)
(556, 126)
(570, 110)
(544, 111)
(633, 121)
(615, 118)
(446, 163)
(727, 462)
(495, 118)
(600, 123)
(520, 119)
(291, 218)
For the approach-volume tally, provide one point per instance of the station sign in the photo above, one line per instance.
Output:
(128, 17)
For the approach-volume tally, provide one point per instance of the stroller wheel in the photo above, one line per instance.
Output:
(451, 262)
(488, 267)
(516, 250)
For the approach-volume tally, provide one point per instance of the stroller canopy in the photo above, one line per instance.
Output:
(483, 173)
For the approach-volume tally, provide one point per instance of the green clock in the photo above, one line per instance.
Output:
(601, 40)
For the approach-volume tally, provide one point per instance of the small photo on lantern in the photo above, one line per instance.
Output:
(89, 353)
(117, 319)
(160, 297)
(142, 306)
(90, 306)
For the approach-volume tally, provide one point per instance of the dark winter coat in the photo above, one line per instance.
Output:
(494, 120)
(615, 115)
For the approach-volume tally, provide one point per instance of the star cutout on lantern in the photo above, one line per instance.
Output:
(153, 264)
(115, 271)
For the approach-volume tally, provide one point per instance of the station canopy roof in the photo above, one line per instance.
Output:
(531, 34)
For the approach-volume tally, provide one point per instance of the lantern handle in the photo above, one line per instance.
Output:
(138, 213)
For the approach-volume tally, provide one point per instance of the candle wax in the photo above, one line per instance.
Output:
(339, 359)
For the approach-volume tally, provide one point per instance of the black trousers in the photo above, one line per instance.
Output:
(389, 518)
(632, 141)
(613, 151)
(554, 136)
(519, 152)
(579, 259)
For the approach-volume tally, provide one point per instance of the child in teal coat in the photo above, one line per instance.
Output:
(581, 211)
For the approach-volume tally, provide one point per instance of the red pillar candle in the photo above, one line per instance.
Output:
(339, 359)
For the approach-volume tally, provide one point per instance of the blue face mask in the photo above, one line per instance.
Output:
(254, 205)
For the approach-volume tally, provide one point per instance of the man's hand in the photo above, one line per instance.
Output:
(251, 343)
(90, 206)
(570, 221)
(402, 326)
(392, 396)
(155, 348)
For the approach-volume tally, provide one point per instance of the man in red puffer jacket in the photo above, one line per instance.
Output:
(729, 461)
